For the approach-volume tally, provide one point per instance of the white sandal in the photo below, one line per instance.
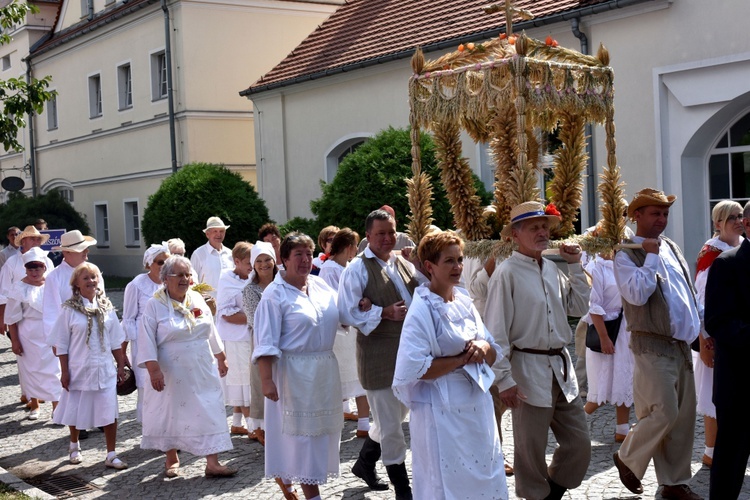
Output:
(75, 456)
(115, 463)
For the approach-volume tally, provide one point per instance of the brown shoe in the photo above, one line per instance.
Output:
(223, 472)
(350, 416)
(707, 461)
(363, 434)
(24, 399)
(679, 492)
(260, 436)
(508, 469)
(627, 476)
(238, 431)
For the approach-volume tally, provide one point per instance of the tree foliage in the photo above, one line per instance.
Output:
(374, 175)
(19, 98)
(183, 203)
(21, 211)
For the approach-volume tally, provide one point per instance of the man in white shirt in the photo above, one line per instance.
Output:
(663, 317)
(12, 248)
(529, 300)
(388, 281)
(213, 258)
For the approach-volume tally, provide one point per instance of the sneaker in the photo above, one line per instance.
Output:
(115, 463)
(34, 415)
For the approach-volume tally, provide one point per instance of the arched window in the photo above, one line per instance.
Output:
(729, 165)
(341, 150)
(64, 187)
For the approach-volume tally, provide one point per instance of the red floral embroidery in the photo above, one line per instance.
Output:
(552, 210)
(197, 313)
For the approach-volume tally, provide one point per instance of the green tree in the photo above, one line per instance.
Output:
(21, 210)
(183, 203)
(19, 98)
(374, 175)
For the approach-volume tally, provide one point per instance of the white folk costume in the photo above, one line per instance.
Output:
(88, 332)
(137, 294)
(189, 413)
(610, 377)
(236, 339)
(303, 428)
(209, 263)
(345, 346)
(57, 290)
(38, 365)
(454, 439)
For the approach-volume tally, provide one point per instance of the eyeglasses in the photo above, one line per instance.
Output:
(35, 265)
(181, 276)
(733, 218)
(159, 262)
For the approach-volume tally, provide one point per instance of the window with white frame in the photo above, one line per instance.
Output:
(158, 75)
(124, 86)
(52, 113)
(132, 223)
(729, 165)
(6, 62)
(101, 219)
(95, 96)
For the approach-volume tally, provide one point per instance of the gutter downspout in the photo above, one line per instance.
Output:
(590, 171)
(90, 8)
(32, 142)
(170, 93)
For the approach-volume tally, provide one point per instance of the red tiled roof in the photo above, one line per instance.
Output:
(374, 30)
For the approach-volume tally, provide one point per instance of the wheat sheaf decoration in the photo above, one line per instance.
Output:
(508, 91)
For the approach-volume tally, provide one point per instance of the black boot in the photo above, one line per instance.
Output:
(400, 479)
(556, 491)
(364, 467)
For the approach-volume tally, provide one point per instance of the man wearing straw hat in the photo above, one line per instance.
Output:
(213, 258)
(663, 318)
(528, 302)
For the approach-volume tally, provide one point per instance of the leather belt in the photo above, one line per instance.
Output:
(549, 352)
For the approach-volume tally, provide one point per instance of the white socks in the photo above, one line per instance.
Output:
(347, 408)
(74, 447)
(111, 455)
(622, 428)
(709, 452)
(236, 419)
(249, 424)
(363, 424)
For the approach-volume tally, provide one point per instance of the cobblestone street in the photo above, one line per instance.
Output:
(36, 451)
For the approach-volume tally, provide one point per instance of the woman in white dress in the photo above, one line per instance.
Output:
(137, 293)
(610, 372)
(183, 406)
(727, 220)
(295, 328)
(231, 324)
(23, 315)
(86, 336)
(443, 376)
(325, 240)
(343, 249)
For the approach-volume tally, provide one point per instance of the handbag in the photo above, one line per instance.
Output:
(127, 385)
(613, 328)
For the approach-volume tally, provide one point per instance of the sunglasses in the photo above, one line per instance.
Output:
(159, 262)
(35, 265)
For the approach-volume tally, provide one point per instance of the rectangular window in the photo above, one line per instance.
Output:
(52, 113)
(132, 224)
(124, 87)
(158, 76)
(102, 224)
(95, 96)
(6, 62)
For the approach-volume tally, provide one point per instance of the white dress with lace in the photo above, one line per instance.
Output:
(189, 413)
(454, 439)
(303, 428)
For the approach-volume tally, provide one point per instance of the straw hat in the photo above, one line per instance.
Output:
(215, 223)
(529, 210)
(648, 197)
(74, 241)
(31, 232)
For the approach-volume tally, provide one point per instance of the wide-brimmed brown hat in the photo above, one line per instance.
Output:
(74, 241)
(529, 210)
(648, 197)
(31, 232)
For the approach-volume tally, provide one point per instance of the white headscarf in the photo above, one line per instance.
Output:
(151, 252)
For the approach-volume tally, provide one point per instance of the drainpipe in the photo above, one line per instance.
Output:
(90, 5)
(170, 96)
(32, 143)
(590, 172)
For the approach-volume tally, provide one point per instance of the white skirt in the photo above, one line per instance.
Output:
(87, 409)
(345, 349)
(236, 384)
(610, 377)
(39, 369)
(704, 387)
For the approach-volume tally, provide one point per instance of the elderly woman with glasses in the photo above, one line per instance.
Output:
(183, 404)
(295, 328)
(137, 293)
(727, 221)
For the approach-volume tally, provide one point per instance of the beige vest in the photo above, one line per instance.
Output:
(376, 352)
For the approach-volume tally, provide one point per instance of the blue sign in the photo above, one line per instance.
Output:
(54, 238)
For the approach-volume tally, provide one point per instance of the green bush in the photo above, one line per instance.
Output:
(309, 227)
(21, 210)
(374, 175)
(184, 201)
